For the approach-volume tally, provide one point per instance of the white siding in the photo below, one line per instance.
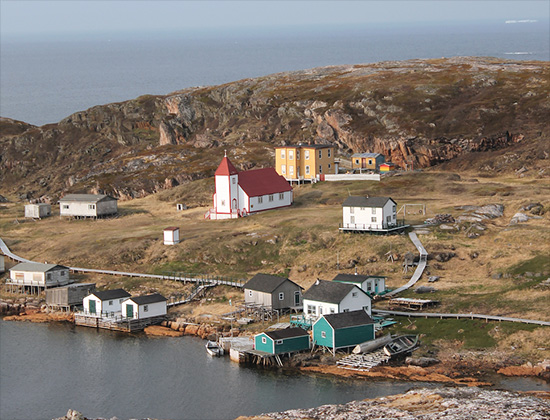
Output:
(362, 217)
(354, 303)
(153, 309)
(37, 211)
(87, 208)
(227, 195)
(171, 237)
(256, 297)
(277, 202)
(320, 308)
(47, 279)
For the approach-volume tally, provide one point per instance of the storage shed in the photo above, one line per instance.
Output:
(141, 307)
(171, 236)
(289, 340)
(370, 284)
(105, 303)
(38, 211)
(343, 330)
(68, 297)
(37, 276)
(87, 205)
(272, 292)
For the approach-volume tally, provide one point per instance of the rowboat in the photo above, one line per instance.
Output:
(213, 349)
(401, 346)
(372, 345)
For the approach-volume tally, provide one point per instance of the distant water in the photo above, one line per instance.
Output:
(43, 81)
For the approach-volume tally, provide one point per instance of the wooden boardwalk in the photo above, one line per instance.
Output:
(363, 362)
(419, 269)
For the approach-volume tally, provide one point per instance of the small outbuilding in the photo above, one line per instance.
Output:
(70, 296)
(387, 167)
(289, 340)
(105, 303)
(273, 292)
(37, 276)
(343, 330)
(141, 307)
(87, 205)
(38, 211)
(367, 161)
(370, 284)
(171, 236)
(370, 214)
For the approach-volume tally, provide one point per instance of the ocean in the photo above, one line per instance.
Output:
(44, 80)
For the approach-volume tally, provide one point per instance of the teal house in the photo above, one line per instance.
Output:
(289, 340)
(373, 285)
(342, 330)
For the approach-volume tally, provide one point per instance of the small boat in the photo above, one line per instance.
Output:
(401, 346)
(213, 349)
(369, 346)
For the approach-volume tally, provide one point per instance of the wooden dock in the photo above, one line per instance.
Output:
(363, 362)
(116, 324)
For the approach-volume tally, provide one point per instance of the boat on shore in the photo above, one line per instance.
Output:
(401, 346)
(213, 349)
(369, 346)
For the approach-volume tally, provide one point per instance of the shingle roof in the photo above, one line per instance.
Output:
(286, 333)
(328, 291)
(143, 300)
(37, 267)
(112, 294)
(86, 197)
(264, 181)
(266, 283)
(366, 155)
(354, 278)
(349, 319)
(226, 168)
(356, 201)
(305, 146)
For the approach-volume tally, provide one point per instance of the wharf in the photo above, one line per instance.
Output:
(115, 323)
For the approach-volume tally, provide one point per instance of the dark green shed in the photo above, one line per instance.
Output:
(345, 329)
(288, 340)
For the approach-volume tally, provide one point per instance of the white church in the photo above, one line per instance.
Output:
(239, 194)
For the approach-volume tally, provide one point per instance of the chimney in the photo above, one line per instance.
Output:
(317, 282)
(355, 270)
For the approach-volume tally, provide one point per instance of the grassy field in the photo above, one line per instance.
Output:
(500, 272)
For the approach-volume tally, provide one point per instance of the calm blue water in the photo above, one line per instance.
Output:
(43, 81)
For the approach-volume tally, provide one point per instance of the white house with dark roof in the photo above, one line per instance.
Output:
(107, 303)
(370, 214)
(272, 292)
(87, 205)
(141, 307)
(371, 284)
(242, 193)
(38, 275)
(327, 297)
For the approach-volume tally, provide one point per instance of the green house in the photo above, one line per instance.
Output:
(342, 330)
(289, 340)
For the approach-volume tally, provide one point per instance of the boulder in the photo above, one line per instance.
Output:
(421, 361)
(519, 218)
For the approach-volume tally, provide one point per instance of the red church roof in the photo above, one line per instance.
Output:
(264, 181)
(226, 168)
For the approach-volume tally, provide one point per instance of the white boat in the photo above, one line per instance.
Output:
(369, 346)
(213, 349)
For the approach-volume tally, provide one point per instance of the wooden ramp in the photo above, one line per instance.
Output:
(363, 362)
(419, 269)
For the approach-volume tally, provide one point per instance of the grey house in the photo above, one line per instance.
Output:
(273, 292)
(87, 205)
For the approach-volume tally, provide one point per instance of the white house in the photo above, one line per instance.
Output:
(369, 213)
(171, 236)
(370, 284)
(38, 211)
(327, 297)
(38, 275)
(106, 303)
(242, 193)
(141, 307)
(87, 205)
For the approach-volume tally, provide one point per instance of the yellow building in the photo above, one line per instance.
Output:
(305, 162)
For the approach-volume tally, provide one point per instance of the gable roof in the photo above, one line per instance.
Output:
(226, 168)
(305, 146)
(350, 278)
(266, 283)
(37, 267)
(143, 300)
(366, 155)
(348, 319)
(286, 333)
(264, 181)
(94, 198)
(356, 201)
(111, 294)
(329, 292)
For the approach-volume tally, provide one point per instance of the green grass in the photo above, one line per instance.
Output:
(537, 264)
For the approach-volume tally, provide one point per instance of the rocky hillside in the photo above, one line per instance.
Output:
(423, 112)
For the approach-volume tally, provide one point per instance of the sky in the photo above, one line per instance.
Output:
(20, 17)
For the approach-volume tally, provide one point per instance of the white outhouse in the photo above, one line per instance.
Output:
(171, 236)
(38, 211)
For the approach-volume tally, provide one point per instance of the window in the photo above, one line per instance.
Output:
(270, 198)
(48, 276)
(291, 155)
(62, 272)
(320, 169)
(91, 206)
(281, 295)
(283, 154)
(110, 303)
(345, 310)
(394, 208)
(65, 206)
(283, 169)
(281, 196)
(320, 154)
(362, 208)
(352, 210)
(329, 152)
(329, 165)
(264, 340)
(352, 220)
(373, 210)
(291, 170)
(307, 169)
(260, 200)
(234, 180)
(297, 155)
(370, 161)
(357, 161)
(354, 294)
(120, 300)
(223, 202)
(279, 342)
(250, 293)
(323, 334)
(145, 308)
(373, 219)
(306, 154)
(311, 310)
(331, 310)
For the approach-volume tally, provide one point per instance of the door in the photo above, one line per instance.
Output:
(129, 311)
(91, 306)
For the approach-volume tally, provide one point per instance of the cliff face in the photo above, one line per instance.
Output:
(419, 112)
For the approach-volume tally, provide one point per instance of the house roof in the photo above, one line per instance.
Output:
(348, 319)
(266, 283)
(111, 294)
(356, 201)
(350, 278)
(387, 164)
(37, 267)
(286, 333)
(143, 300)
(305, 146)
(226, 168)
(366, 155)
(328, 291)
(264, 181)
(95, 198)
(171, 229)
